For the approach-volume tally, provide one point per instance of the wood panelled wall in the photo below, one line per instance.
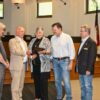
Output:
(28, 73)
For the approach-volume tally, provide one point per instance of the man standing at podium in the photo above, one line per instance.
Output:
(85, 62)
(18, 59)
(3, 59)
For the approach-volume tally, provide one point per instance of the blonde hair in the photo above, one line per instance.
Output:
(87, 28)
(2, 26)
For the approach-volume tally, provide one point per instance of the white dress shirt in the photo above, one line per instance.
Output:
(62, 46)
(23, 47)
(83, 41)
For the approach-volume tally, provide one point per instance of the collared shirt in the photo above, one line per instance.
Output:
(62, 46)
(83, 41)
(23, 47)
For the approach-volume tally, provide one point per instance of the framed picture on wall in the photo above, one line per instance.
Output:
(1, 9)
(44, 9)
(91, 6)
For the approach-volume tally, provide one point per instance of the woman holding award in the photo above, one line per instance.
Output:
(39, 54)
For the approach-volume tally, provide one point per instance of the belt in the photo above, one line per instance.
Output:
(61, 58)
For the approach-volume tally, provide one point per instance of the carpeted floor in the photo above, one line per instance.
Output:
(76, 89)
(28, 92)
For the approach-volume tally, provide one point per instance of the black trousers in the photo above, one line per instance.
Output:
(41, 87)
(37, 86)
(44, 89)
(40, 83)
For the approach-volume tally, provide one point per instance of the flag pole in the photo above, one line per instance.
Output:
(96, 24)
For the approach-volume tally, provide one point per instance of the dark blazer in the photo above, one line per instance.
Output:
(86, 57)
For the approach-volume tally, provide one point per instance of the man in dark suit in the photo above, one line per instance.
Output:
(3, 59)
(85, 62)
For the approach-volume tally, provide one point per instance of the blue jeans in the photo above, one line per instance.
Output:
(2, 74)
(86, 86)
(61, 72)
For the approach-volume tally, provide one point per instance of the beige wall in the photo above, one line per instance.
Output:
(7, 15)
(72, 16)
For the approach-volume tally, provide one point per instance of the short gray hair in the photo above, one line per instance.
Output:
(3, 26)
(39, 28)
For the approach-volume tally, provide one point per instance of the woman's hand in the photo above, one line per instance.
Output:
(44, 52)
(33, 56)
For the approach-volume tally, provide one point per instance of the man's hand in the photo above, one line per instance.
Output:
(6, 63)
(28, 53)
(87, 72)
(1, 59)
(70, 65)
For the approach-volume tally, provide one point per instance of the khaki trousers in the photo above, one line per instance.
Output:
(17, 83)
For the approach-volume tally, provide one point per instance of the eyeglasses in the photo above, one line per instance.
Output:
(82, 31)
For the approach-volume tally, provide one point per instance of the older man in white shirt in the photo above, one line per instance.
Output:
(63, 53)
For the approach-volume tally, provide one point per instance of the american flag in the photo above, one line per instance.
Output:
(97, 26)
